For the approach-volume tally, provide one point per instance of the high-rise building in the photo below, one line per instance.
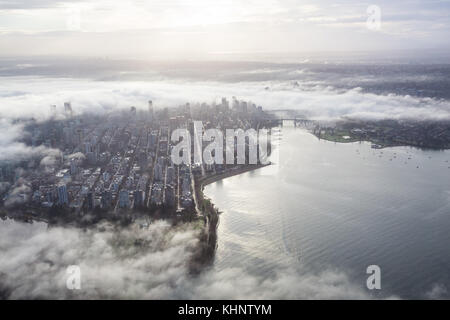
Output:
(106, 176)
(106, 199)
(244, 107)
(187, 110)
(73, 167)
(170, 175)
(225, 103)
(139, 197)
(87, 147)
(142, 159)
(153, 139)
(235, 104)
(150, 110)
(124, 199)
(157, 194)
(91, 157)
(129, 181)
(80, 136)
(158, 172)
(63, 197)
(133, 111)
(90, 200)
(68, 135)
(68, 109)
(169, 196)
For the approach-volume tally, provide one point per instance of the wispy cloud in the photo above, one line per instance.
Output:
(266, 25)
(317, 100)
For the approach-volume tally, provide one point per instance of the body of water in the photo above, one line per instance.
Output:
(342, 207)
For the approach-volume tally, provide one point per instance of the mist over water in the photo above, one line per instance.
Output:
(328, 206)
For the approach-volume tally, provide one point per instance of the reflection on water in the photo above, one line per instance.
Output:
(342, 206)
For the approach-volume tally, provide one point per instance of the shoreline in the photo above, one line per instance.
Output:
(214, 178)
(202, 182)
(210, 215)
(379, 144)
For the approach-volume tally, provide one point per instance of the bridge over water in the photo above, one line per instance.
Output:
(281, 115)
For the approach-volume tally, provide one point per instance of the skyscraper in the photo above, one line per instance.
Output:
(133, 112)
(124, 198)
(150, 110)
(73, 167)
(139, 197)
(170, 174)
(63, 197)
(106, 199)
(169, 195)
(68, 108)
(158, 172)
(90, 200)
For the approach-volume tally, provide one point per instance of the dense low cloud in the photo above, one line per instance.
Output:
(315, 99)
(140, 263)
(13, 149)
(19, 193)
(25, 97)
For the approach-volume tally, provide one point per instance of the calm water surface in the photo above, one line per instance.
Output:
(344, 207)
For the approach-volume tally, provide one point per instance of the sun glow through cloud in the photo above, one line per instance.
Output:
(182, 26)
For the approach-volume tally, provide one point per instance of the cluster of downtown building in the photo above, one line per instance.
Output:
(118, 161)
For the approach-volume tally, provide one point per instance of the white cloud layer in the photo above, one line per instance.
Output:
(141, 264)
(185, 27)
(11, 148)
(25, 97)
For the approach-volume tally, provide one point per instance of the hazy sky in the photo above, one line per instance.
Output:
(187, 27)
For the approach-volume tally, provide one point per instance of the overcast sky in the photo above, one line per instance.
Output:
(188, 27)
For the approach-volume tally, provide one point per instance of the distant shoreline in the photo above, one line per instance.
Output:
(379, 145)
(429, 135)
